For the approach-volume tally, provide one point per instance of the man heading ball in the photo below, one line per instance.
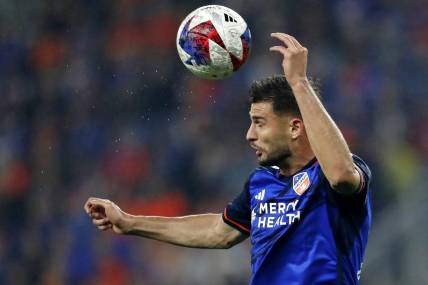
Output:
(306, 208)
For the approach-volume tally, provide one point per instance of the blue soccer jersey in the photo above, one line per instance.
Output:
(302, 231)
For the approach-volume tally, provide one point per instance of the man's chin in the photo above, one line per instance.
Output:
(266, 162)
(273, 161)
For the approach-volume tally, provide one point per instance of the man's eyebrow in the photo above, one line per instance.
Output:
(255, 117)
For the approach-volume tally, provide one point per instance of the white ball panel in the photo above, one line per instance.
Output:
(220, 58)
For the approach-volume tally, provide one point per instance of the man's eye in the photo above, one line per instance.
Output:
(258, 123)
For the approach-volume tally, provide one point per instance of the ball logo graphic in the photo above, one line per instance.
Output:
(213, 41)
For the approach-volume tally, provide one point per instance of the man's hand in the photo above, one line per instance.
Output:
(295, 58)
(107, 215)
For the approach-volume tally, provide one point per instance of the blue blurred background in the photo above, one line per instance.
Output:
(95, 102)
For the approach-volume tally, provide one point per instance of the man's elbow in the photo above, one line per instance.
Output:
(225, 243)
(226, 240)
(345, 181)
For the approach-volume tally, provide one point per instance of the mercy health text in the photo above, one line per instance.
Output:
(274, 214)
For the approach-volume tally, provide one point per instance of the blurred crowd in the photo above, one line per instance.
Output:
(95, 102)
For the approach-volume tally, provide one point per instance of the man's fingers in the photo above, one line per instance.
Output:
(98, 201)
(101, 222)
(296, 43)
(105, 227)
(97, 215)
(280, 49)
(87, 207)
(96, 204)
(288, 40)
(285, 39)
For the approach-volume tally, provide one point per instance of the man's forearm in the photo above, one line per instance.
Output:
(324, 136)
(198, 231)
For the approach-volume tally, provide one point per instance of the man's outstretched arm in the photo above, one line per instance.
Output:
(198, 231)
(324, 136)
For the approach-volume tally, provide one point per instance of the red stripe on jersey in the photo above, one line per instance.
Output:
(235, 223)
(362, 180)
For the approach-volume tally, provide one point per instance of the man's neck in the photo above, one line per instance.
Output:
(295, 162)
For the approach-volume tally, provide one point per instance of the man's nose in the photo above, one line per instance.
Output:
(251, 134)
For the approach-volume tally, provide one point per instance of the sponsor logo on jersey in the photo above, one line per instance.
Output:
(274, 214)
(301, 182)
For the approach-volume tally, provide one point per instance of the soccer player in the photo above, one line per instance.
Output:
(306, 208)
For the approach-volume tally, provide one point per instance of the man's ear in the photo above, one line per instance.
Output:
(296, 127)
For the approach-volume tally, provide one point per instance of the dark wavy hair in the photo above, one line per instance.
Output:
(276, 89)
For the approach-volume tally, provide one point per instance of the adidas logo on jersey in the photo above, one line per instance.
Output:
(261, 195)
(228, 18)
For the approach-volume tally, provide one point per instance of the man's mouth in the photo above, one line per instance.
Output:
(258, 151)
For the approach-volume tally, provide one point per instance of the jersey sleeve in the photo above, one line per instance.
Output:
(360, 196)
(237, 213)
(365, 174)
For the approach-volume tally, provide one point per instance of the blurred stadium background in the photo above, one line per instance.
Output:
(95, 102)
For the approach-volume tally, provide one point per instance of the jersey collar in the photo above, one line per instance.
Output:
(308, 165)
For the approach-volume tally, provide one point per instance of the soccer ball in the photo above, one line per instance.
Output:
(213, 41)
